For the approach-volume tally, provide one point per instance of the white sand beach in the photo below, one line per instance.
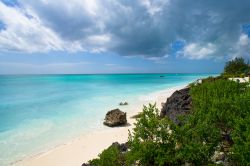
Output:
(88, 146)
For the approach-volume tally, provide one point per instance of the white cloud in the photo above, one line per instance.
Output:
(97, 43)
(90, 6)
(111, 64)
(25, 33)
(99, 39)
(196, 51)
(159, 60)
(153, 7)
(243, 40)
(242, 47)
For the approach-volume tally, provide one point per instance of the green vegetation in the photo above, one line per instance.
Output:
(236, 68)
(219, 123)
(152, 142)
(109, 157)
(220, 112)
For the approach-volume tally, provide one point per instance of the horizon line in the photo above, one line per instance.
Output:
(101, 73)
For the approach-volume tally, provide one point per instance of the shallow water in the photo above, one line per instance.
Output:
(38, 112)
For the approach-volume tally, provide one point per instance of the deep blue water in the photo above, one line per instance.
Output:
(39, 111)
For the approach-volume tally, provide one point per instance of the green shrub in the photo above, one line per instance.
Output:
(218, 107)
(241, 148)
(152, 142)
(241, 134)
(224, 107)
(236, 67)
(109, 157)
(219, 121)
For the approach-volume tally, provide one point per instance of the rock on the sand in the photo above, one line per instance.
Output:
(125, 103)
(115, 118)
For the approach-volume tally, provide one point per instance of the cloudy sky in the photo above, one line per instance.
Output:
(122, 36)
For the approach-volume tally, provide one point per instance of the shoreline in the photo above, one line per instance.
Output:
(87, 146)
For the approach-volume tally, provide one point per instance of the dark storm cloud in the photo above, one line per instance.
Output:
(216, 23)
(147, 28)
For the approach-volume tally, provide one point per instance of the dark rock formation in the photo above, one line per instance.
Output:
(179, 103)
(84, 164)
(122, 147)
(125, 103)
(115, 118)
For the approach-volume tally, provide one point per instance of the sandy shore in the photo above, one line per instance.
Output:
(88, 146)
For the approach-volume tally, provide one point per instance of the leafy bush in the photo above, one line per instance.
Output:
(241, 147)
(111, 157)
(219, 121)
(241, 134)
(236, 68)
(220, 108)
(152, 141)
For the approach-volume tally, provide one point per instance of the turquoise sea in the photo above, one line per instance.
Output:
(38, 112)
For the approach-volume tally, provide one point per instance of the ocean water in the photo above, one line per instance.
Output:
(38, 112)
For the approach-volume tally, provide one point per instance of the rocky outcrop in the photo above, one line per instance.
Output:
(179, 103)
(125, 103)
(115, 118)
(85, 164)
(123, 147)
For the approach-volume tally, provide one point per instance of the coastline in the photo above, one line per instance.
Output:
(88, 146)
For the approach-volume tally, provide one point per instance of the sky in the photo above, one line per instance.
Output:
(122, 36)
